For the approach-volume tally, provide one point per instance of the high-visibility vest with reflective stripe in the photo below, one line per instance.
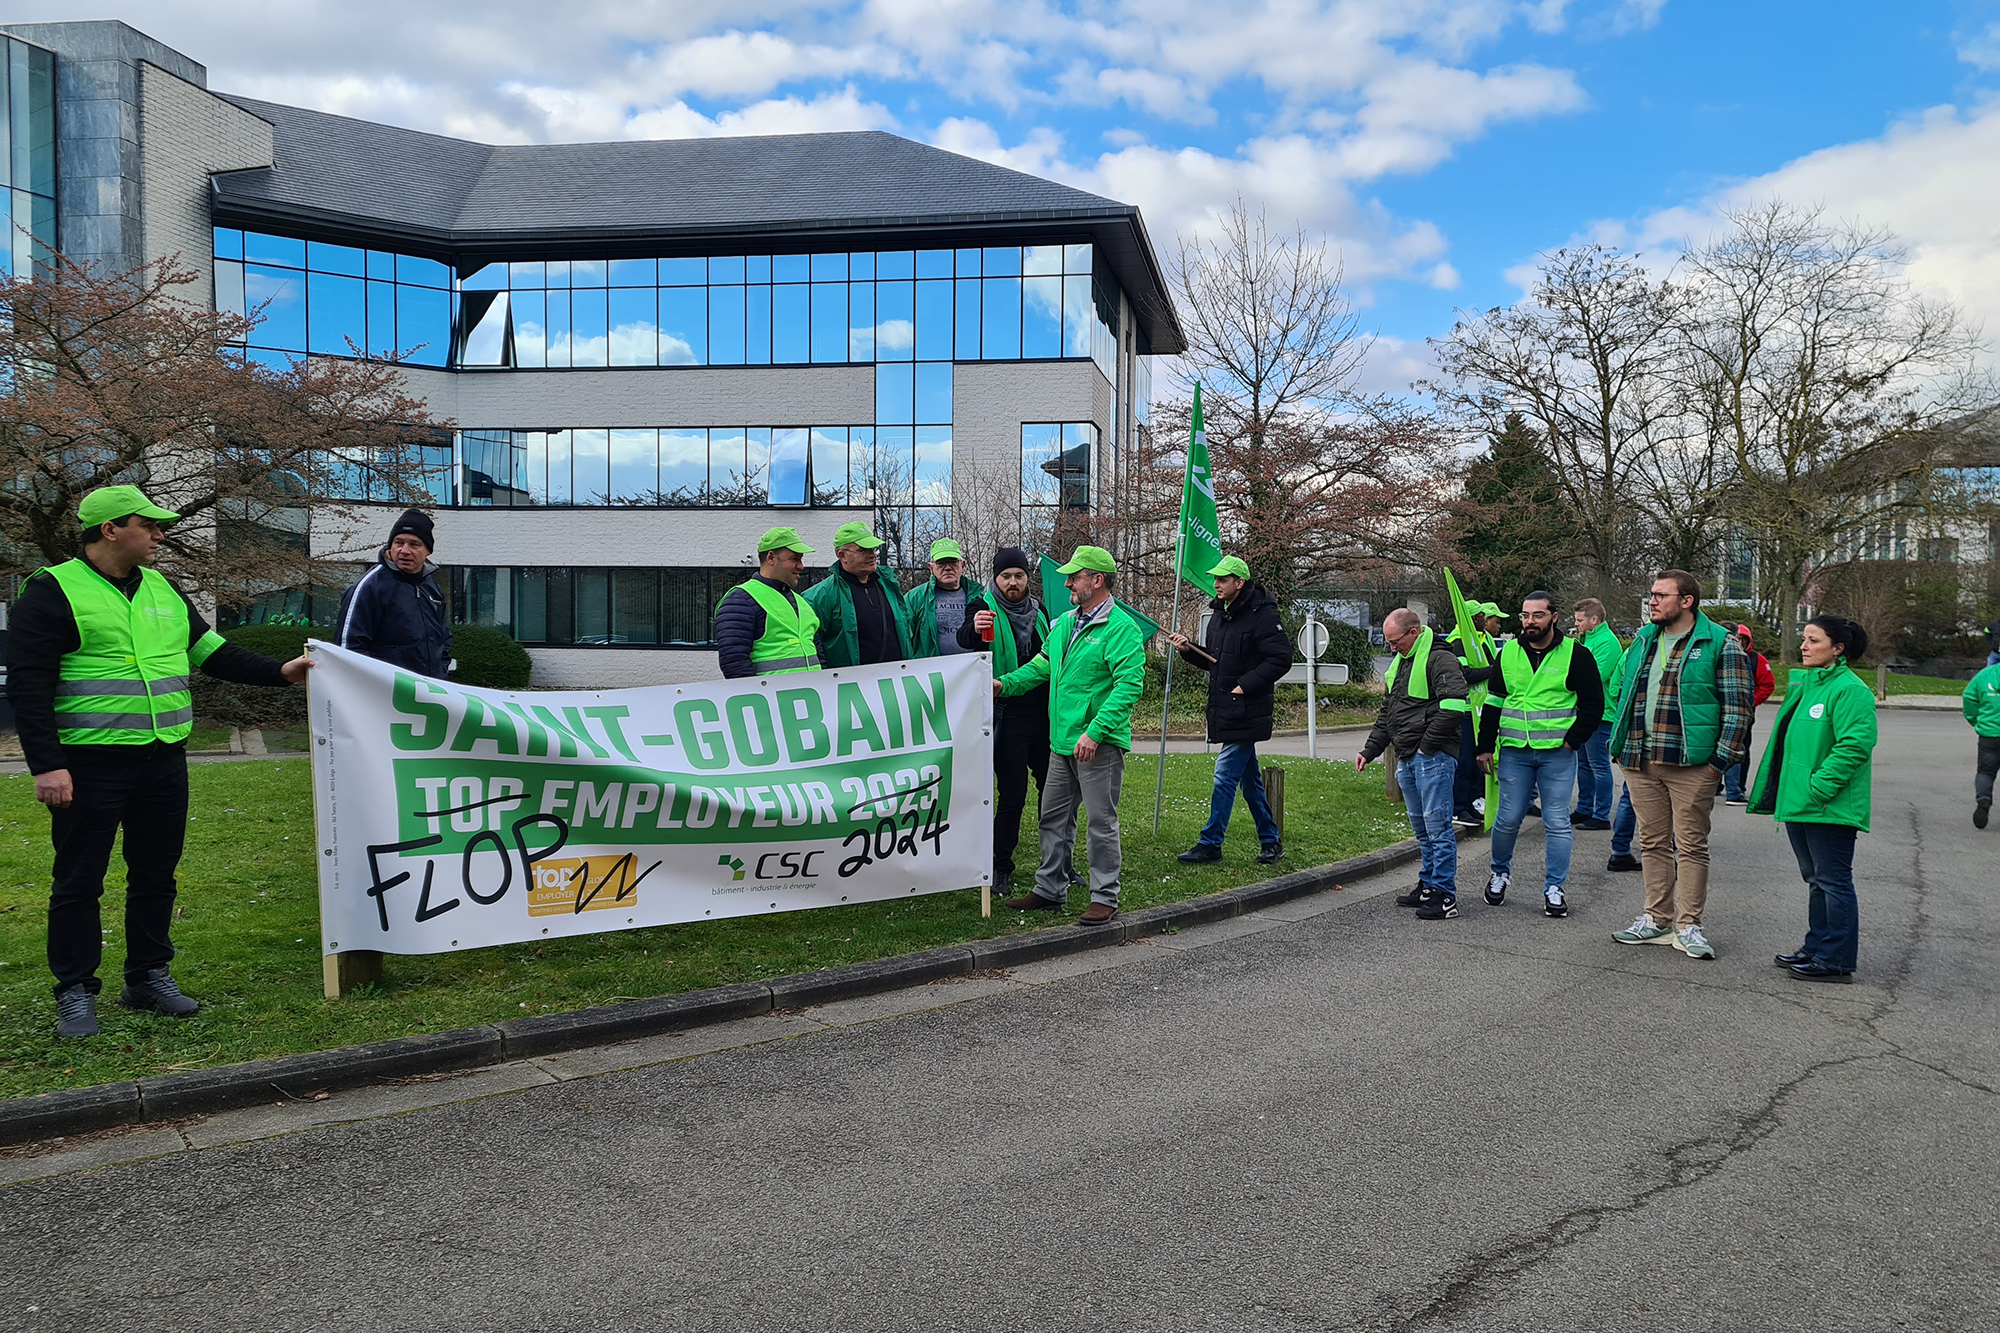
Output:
(127, 682)
(789, 627)
(1540, 707)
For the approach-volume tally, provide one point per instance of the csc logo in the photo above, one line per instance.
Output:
(790, 865)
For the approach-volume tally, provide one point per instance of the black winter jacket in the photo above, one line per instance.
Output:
(1421, 726)
(397, 618)
(739, 622)
(1251, 650)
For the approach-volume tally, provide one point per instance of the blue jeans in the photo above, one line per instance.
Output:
(1237, 766)
(1833, 915)
(1593, 779)
(1624, 824)
(1426, 780)
(1732, 778)
(1523, 772)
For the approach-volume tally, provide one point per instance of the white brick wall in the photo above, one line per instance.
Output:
(186, 132)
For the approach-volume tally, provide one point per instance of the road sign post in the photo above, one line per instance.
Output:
(1313, 641)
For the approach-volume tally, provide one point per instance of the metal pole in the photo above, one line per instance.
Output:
(1312, 674)
(1167, 689)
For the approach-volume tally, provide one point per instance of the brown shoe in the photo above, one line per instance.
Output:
(1031, 902)
(1097, 914)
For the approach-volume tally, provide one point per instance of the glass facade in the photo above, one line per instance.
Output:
(996, 303)
(27, 155)
(697, 466)
(567, 606)
(1057, 459)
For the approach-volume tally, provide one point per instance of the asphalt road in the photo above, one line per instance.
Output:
(1355, 1121)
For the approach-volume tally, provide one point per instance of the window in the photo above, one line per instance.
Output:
(590, 608)
(1056, 463)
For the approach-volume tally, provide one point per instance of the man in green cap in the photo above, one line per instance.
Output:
(861, 618)
(98, 662)
(765, 625)
(1246, 655)
(1094, 663)
(936, 607)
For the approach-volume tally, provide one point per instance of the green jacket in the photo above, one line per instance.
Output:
(1982, 701)
(1823, 772)
(920, 607)
(1092, 685)
(833, 601)
(1603, 645)
(1694, 678)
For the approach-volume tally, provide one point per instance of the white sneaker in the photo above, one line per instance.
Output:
(1643, 931)
(1690, 941)
(1552, 901)
(1496, 888)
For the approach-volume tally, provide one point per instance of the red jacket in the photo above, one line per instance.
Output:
(1765, 681)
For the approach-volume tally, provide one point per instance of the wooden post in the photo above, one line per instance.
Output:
(986, 900)
(345, 971)
(1274, 792)
(1881, 681)
(1390, 787)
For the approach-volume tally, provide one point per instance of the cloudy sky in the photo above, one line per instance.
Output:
(1438, 144)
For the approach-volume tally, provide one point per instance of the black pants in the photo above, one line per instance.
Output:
(1021, 747)
(146, 793)
(1989, 763)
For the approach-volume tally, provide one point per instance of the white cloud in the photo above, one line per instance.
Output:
(1444, 278)
(1981, 49)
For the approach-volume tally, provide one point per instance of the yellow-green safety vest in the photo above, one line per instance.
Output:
(127, 682)
(1540, 707)
(789, 627)
(1420, 675)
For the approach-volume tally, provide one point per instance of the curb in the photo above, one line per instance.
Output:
(203, 1091)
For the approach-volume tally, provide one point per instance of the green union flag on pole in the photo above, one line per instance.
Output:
(1201, 535)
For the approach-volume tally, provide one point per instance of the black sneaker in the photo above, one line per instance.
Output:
(1736, 800)
(1439, 907)
(1590, 823)
(1623, 861)
(76, 1012)
(1496, 888)
(1979, 813)
(156, 991)
(1413, 898)
(1552, 901)
(1200, 854)
(1271, 853)
(1469, 819)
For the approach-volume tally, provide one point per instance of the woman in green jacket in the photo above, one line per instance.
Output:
(1815, 780)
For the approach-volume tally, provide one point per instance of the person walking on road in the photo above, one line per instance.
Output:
(1423, 702)
(98, 665)
(1762, 682)
(766, 625)
(1010, 623)
(861, 615)
(1816, 780)
(1246, 655)
(395, 613)
(1981, 703)
(1546, 700)
(1594, 783)
(936, 608)
(1683, 715)
(1094, 663)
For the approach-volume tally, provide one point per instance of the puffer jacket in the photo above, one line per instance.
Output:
(1250, 649)
(397, 618)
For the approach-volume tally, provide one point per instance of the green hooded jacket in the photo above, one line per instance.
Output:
(1824, 770)
(839, 641)
(1981, 701)
(920, 607)
(1093, 684)
(1604, 646)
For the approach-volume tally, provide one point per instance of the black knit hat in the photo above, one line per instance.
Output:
(1011, 557)
(418, 524)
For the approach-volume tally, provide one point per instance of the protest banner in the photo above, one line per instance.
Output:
(452, 817)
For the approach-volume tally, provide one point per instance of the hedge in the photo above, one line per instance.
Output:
(486, 657)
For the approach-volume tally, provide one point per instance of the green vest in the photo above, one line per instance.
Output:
(1420, 675)
(1540, 707)
(1006, 652)
(127, 682)
(787, 641)
(1701, 704)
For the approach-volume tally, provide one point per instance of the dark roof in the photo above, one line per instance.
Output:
(468, 203)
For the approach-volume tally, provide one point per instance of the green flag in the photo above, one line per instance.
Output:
(1055, 600)
(1475, 655)
(1201, 535)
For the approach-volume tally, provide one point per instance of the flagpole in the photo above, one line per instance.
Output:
(1173, 626)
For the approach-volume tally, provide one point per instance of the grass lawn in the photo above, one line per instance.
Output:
(248, 927)
(1899, 683)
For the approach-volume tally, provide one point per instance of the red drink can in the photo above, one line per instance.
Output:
(987, 633)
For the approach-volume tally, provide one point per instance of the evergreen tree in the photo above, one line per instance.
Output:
(1511, 529)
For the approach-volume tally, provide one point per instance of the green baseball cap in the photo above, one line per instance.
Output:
(1089, 557)
(1233, 566)
(109, 502)
(944, 548)
(855, 534)
(783, 539)
(1491, 609)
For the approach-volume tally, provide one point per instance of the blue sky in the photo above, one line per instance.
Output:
(1437, 144)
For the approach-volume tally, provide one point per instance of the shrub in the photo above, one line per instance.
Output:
(255, 705)
(488, 658)
(1348, 643)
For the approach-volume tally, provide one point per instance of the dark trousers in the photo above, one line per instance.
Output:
(1989, 763)
(1020, 747)
(1467, 782)
(1833, 915)
(148, 795)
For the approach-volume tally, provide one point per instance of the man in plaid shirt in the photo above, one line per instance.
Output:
(1685, 709)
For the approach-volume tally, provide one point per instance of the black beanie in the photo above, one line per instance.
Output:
(1011, 557)
(418, 524)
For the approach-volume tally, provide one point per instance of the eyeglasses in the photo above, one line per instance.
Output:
(1663, 596)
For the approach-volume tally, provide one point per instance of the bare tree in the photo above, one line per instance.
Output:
(1832, 387)
(116, 378)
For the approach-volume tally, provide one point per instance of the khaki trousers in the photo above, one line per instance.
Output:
(1673, 802)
